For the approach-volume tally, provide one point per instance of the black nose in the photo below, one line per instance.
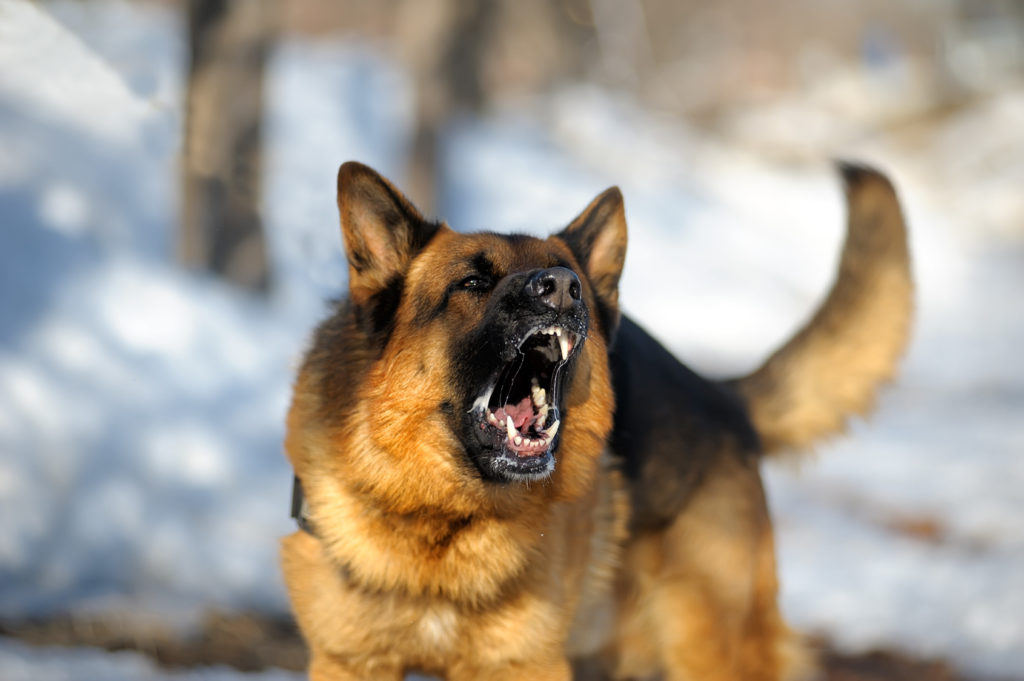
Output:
(556, 287)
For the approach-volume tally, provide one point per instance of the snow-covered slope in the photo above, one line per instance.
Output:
(141, 406)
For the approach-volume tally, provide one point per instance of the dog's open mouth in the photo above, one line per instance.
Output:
(518, 411)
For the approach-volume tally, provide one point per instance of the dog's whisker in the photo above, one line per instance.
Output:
(511, 384)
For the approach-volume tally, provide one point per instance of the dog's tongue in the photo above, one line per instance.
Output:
(521, 413)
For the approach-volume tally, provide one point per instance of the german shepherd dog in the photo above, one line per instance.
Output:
(504, 478)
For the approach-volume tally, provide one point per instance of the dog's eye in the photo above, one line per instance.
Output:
(474, 282)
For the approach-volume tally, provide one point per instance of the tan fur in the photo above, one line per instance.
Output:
(417, 563)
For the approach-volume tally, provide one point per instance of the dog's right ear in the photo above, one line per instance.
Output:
(381, 228)
(597, 237)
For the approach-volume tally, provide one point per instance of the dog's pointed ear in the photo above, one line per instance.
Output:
(597, 237)
(381, 228)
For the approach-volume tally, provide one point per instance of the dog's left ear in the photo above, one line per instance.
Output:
(381, 228)
(597, 237)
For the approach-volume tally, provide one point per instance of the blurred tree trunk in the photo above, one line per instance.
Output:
(221, 228)
(443, 41)
(464, 54)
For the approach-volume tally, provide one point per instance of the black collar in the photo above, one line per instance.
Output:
(300, 509)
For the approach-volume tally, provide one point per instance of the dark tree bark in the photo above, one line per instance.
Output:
(443, 43)
(221, 227)
(463, 53)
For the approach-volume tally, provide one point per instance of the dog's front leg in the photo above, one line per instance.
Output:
(552, 670)
(324, 667)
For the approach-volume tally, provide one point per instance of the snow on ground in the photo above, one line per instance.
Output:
(21, 662)
(141, 406)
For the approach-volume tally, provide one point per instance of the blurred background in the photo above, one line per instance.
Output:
(170, 237)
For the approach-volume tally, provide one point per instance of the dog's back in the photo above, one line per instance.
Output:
(670, 421)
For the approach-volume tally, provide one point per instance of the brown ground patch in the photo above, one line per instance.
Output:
(251, 642)
(883, 666)
(248, 642)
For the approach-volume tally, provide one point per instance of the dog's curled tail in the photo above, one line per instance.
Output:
(831, 369)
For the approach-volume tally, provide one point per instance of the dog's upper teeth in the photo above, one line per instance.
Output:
(564, 345)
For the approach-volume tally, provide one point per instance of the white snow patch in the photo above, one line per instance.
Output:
(60, 77)
(28, 663)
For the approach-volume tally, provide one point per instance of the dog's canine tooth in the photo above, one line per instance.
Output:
(511, 428)
(549, 434)
(563, 344)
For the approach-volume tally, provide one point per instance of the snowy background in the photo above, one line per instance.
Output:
(141, 405)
